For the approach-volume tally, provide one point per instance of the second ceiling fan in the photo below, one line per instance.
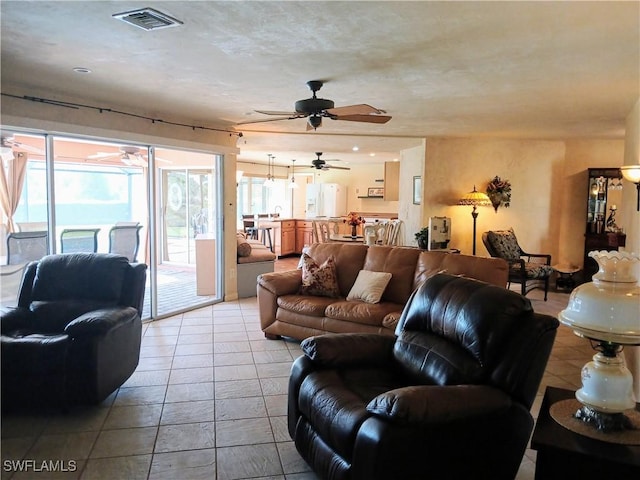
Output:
(321, 164)
(315, 109)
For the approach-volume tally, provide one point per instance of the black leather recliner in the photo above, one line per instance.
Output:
(447, 398)
(75, 335)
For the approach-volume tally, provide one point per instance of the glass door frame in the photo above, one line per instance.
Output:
(152, 207)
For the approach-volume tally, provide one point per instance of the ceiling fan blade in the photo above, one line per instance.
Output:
(103, 155)
(268, 120)
(365, 118)
(11, 143)
(277, 112)
(29, 149)
(331, 167)
(361, 109)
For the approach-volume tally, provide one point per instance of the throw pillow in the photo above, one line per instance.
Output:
(244, 248)
(319, 280)
(505, 244)
(369, 286)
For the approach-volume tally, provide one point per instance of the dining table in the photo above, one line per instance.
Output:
(346, 238)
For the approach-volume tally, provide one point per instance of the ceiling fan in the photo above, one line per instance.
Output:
(12, 143)
(314, 109)
(129, 155)
(320, 164)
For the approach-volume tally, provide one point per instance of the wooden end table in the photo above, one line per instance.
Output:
(563, 454)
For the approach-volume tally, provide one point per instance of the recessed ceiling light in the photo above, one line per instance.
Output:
(355, 148)
(81, 70)
(372, 154)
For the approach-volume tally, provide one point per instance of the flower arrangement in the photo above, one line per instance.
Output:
(499, 192)
(353, 219)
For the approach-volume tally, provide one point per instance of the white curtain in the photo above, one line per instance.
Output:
(11, 182)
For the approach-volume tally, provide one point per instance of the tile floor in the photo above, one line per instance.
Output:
(208, 400)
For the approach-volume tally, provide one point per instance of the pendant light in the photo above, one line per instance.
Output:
(293, 183)
(269, 181)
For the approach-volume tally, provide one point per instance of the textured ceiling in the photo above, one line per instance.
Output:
(506, 69)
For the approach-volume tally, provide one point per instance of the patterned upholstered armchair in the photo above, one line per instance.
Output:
(530, 270)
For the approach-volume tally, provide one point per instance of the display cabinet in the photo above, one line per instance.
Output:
(604, 194)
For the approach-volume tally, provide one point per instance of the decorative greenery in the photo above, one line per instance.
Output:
(353, 219)
(423, 237)
(499, 192)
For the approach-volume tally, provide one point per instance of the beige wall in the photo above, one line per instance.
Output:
(412, 164)
(630, 218)
(454, 166)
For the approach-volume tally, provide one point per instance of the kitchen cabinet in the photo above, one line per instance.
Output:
(304, 234)
(287, 238)
(283, 236)
(391, 181)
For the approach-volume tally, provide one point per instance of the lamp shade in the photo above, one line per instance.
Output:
(475, 198)
(631, 173)
(608, 308)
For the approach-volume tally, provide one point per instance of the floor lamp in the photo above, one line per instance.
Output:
(477, 199)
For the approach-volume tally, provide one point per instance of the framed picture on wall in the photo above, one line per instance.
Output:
(375, 192)
(417, 190)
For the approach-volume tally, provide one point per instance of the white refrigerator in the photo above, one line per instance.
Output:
(326, 200)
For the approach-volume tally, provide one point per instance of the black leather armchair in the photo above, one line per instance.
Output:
(448, 398)
(75, 335)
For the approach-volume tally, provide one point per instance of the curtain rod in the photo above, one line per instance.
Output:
(77, 106)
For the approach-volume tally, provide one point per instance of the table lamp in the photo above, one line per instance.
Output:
(477, 199)
(607, 312)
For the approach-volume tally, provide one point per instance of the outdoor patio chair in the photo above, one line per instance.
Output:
(125, 240)
(24, 247)
(79, 240)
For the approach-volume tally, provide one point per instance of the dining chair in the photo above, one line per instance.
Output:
(376, 231)
(391, 232)
(79, 240)
(321, 231)
(249, 224)
(125, 240)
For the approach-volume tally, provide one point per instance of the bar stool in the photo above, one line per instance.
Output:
(266, 235)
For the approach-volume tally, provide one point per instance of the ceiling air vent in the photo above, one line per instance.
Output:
(148, 19)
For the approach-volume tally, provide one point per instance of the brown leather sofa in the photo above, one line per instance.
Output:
(285, 312)
(448, 398)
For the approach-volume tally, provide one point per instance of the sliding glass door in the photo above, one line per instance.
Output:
(99, 196)
(188, 243)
